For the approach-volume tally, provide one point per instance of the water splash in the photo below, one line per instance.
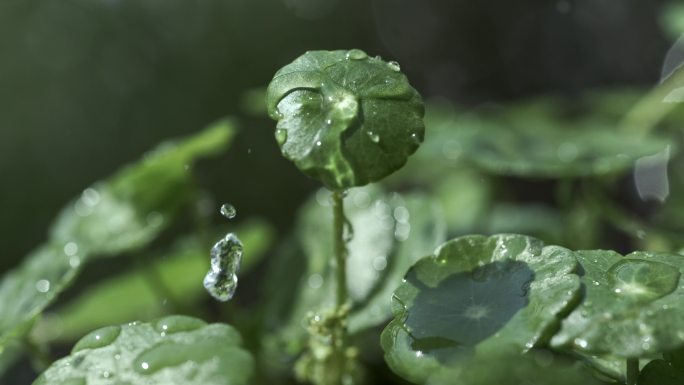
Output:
(221, 280)
(226, 255)
(228, 211)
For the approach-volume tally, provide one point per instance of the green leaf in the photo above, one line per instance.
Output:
(123, 213)
(475, 296)
(176, 350)
(391, 232)
(506, 367)
(132, 207)
(632, 306)
(539, 138)
(344, 118)
(132, 296)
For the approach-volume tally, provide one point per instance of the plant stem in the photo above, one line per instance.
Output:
(632, 371)
(340, 248)
(340, 325)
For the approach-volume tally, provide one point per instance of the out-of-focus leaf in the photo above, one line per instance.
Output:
(538, 220)
(9, 354)
(391, 231)
(535, 139)
(176, 350)
(131, 295)
(632, 307)
(132, 207)
(474, 297)
(120, 214)
(344, 118)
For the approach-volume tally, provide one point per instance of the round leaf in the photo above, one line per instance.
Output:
(345, 118)
(632, 307)
(475, 296)
(176, 350)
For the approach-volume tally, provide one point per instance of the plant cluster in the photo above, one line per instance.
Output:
(366, 269)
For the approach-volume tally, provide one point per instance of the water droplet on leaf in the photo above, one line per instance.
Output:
(281, 136)
(98, 338)
(375, 138)
(356, 54)
(394, 66)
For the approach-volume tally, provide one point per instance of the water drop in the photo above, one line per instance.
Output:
(379, 263)
(178, 323)
(221, 280)
(281, 136)
(90, 197)
(581, 343)
(416, 139)
(394, 66)
(70, 249)
(401, 214)
(315, 281)
(375, 138)
(318, 143)
(228, 211)
(642, 280)
(43, 286)
(356, 54)
(98, 338)
(74, 261)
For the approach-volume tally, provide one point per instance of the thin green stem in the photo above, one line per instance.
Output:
(632, 371)
(340, 248)
(340, 324)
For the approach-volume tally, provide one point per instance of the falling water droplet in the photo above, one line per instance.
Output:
(281, 136)
(228, 211)
(375, 138)
(356, 54)
(394, 66)
(221, 280)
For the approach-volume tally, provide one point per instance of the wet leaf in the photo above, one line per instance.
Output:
(475, 296)
(132, 296)
(123, 213)
(344, 118)
(507, 367)
(534, 139)
(176, 350)
(632, 306)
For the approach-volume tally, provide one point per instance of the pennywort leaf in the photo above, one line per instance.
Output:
(473, 297)
(344, 118)
(632, 306)
(176, 350)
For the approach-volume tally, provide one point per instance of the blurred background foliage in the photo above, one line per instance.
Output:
(89, 85)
